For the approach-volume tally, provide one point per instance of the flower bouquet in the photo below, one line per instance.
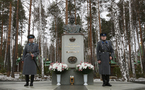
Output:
(85, 67)
(58, 68)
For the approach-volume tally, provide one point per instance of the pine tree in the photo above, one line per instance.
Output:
(8, 42)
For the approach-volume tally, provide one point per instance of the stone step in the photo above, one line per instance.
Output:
(69, 87)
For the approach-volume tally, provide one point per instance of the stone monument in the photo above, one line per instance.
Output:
(72, 44)
(72, 54)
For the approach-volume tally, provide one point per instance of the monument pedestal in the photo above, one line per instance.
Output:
(78, 78)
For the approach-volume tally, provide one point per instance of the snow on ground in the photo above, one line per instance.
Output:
(5, 78)
(97, 80)
(19, 78)
(140, 79)
(48, 78)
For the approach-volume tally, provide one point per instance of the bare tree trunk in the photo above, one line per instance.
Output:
(42, 62)
(1, 40)
(8, 42)
(1, 34)
(135, 53)
(16, 40)
(53, 52)
(60, 49)
(98, 22)
(33, 15)
(11, 51)
(21, 36)
(33, 27)
(90, 30)
(21, 64)
(5, 55)
(29, 24)
(56, 51)
(75, 12)
(99, 17)
(129, 54)
(97, 36)
(66, 13)
(139, 50)
(142, 46)
(98, 29)
(11, 44)
(119, 44)
(131, 39)
(125, 43)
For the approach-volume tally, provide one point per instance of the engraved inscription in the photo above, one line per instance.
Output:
(72, 51)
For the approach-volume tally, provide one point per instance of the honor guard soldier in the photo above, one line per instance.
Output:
(105, 53)
(30, 52)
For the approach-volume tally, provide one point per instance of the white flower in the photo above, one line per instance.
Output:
(58, 66)
(84, 65)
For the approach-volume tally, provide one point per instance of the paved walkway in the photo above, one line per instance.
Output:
(46, 85)
(69, 87)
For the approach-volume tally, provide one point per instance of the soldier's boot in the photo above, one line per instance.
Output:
(104, 81)
(27, 80)
(107, 78)
(32, 80)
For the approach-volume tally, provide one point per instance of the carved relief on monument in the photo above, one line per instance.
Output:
(72, 59)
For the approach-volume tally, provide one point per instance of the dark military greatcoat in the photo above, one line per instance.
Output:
(104, 51)
(29, 67)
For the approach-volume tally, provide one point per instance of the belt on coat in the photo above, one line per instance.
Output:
(104, 51)
(29, 52)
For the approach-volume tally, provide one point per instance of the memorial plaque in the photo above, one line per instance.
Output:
(72, 49)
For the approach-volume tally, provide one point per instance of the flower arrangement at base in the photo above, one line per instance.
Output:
(85, 67)
(58, 67)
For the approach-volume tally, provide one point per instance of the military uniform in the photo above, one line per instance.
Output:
(104, 51)
(29, 66)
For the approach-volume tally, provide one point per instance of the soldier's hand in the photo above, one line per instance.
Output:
(22, 61)
(110, 58)
(99, 61)
(32, 55)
